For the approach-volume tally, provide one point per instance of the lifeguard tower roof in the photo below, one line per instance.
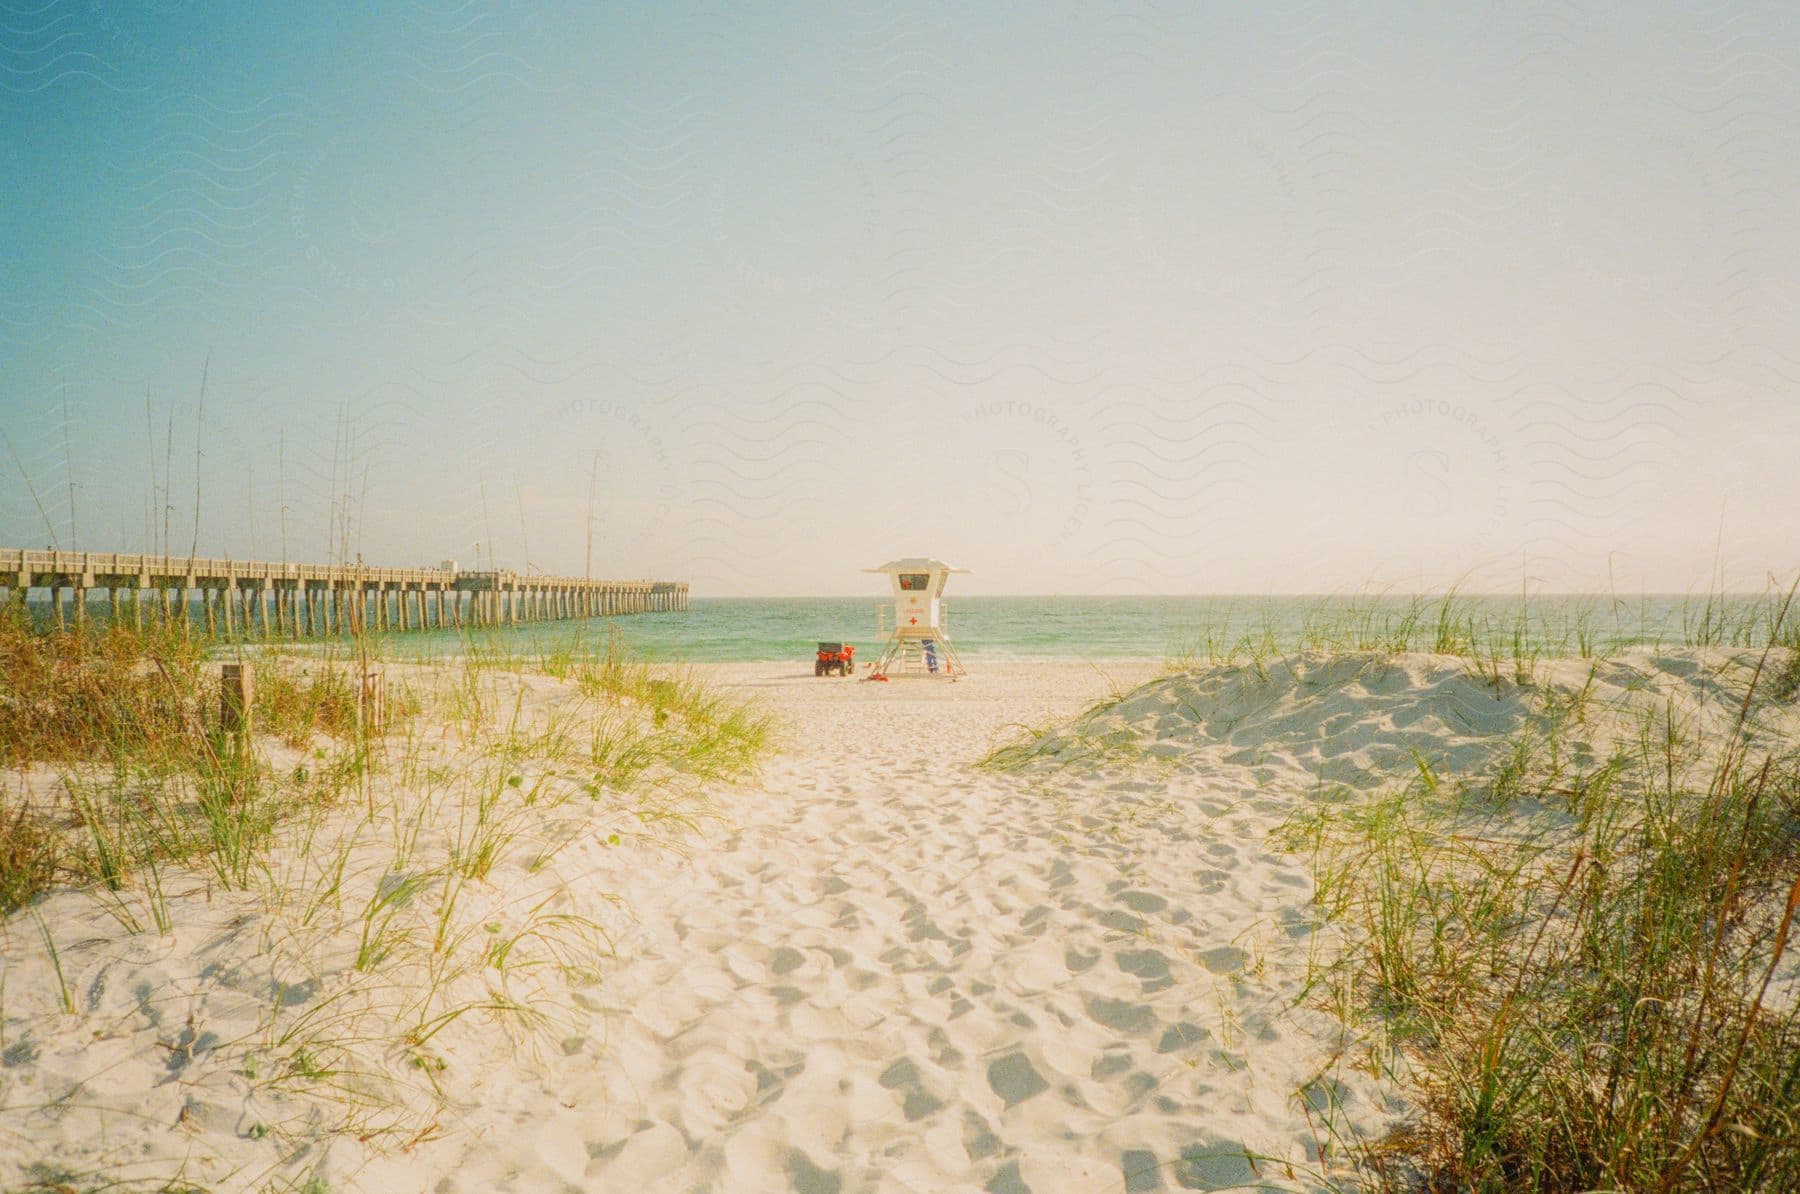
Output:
(916, 564)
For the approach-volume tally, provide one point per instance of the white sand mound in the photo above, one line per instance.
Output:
(1369, 718)
(1342, 718)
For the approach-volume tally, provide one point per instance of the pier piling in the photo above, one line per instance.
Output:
(243, 599)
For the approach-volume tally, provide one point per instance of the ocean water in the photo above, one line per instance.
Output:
(749, 629)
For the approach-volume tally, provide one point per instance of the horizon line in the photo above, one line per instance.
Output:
(1434, 593)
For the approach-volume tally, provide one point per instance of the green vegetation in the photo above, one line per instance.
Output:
(120, 730)
(105, 694)
(1582, 963)
(31, 853)
(299, 702)
(391, 871)
(640, 720)
(128, 723)
(1498, 640)
(1584, 951)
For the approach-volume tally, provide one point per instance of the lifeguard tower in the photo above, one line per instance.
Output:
(919, 644)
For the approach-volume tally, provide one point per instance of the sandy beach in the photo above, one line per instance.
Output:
(892, 972)
(1004, 599)
(873, 966)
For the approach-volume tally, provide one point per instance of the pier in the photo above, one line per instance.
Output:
(248, 598)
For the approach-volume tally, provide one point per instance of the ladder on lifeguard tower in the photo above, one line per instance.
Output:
(918, 657)
(907, 655)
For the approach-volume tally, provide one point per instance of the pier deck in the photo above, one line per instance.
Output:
(251, 597)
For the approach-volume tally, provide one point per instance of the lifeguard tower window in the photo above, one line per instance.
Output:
(915, 581)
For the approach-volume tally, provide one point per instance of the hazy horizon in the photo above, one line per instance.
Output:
(1110, 299)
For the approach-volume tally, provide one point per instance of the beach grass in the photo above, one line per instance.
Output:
(1586, 987)
(98, 692)
(124, 726)
(406, 864)
(1579, 961)
(31, 853)
(1580, 952)
(1506, 638)
(127, 721)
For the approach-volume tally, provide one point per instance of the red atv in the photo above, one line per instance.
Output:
(835, 658)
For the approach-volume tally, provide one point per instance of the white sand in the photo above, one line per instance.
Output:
(894, 972)
(879, 969)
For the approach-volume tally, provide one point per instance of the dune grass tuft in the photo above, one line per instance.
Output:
(1592, 967)
(31, 853)
(646, 717)
(93, 693)
(298, 702)
(126, 724)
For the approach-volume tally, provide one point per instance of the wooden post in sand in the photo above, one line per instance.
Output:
(237, 694)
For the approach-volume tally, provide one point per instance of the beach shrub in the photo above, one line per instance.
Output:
(31, 853)
(1600, 994)
(1785, 686)
(92, 693)
(297, 702)
(129, 721)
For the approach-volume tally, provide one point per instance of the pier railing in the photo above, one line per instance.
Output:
(301, 600)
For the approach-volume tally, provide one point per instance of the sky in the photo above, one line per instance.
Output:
(1088, 298)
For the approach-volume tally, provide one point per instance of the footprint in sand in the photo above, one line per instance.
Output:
(1150, 967)
(1221, 1166)
(1143, 901)
(979, 1140)
(715, 1090)
(1123, 922)
(1015, 1079)
(916, 1102)
(808, 1178)
(1141, 1171)
(1210, 882)
(1119, 1015)
(1181, 1036)
(652, 1152)
(1224, 960)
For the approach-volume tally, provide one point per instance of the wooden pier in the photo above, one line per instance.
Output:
(247, 598)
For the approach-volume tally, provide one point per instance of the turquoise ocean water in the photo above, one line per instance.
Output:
(738, 629)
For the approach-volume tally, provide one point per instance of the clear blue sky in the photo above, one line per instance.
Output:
(1087, 297)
